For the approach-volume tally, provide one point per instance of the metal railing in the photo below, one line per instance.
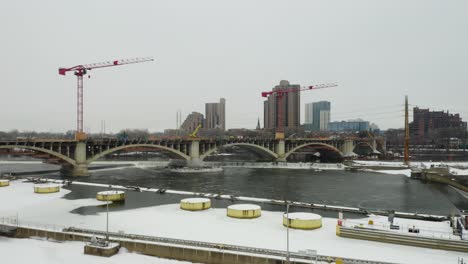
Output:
(220, 246)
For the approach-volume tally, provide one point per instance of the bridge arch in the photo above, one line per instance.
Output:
(106, 152)
(364, 144)
(42, 150)
(263, 149)
(312, 144)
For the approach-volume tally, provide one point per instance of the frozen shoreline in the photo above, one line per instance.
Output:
(211, 225)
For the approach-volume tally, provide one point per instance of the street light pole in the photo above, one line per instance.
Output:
(107, 220)
(287, 232)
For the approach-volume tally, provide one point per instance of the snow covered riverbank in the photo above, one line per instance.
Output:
(41, 251)
(211, 225)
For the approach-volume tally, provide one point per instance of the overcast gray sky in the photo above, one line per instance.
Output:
(377, 51)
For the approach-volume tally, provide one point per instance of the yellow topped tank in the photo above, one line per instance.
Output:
(112, 196)
(46, 188)
(4, 183)
(195, 204)
(305, 221)
(244, 211)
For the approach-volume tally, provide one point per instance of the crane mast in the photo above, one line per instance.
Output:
(80, 71)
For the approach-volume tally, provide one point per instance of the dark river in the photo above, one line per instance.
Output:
(367, 190)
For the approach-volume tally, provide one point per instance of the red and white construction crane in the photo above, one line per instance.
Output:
(279, 102)
(81, 70)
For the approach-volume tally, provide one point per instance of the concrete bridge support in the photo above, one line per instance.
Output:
(81, 167)
(195, 160)
(374, 146)
(347, 148)
(280, 150)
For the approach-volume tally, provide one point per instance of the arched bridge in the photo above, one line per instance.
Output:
(79, 154)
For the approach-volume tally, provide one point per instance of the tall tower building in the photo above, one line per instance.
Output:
(320, 115)
(309, 116)
(291, 107)
(215, 115)
(192, 121)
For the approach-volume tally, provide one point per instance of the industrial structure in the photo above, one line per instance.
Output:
(80, 71)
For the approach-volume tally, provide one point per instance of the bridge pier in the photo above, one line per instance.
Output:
(280, 150)
(348, 148)
(374, 147)
(80, 169)
(195, 160)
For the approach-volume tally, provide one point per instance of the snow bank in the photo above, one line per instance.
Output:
(41, 251)
(458, 172)
(406, 172)
(380, 163)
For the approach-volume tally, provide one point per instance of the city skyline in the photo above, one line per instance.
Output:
(375, 61)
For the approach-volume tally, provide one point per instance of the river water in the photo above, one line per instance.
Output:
(369, 190)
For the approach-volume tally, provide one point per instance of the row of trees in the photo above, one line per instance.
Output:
(123, 134)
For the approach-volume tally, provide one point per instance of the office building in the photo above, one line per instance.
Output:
(317, 116)
(290, 107)
(192, 121)
(349, 126)
(215, 115)
(429, 126)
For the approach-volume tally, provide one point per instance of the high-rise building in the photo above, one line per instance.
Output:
(192, 121)
(215, 115)
(317, 116)
(291, 107)
(321, 115)
(309, 116)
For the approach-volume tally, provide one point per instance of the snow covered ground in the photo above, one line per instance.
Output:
(456, 168)
(396, 164)
(41, 251)
(417, 164)
(210, 225)
(459, 172)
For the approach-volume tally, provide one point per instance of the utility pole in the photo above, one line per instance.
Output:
(406, 151)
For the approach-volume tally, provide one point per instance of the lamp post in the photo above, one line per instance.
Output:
(287, 232)
(107, 219)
